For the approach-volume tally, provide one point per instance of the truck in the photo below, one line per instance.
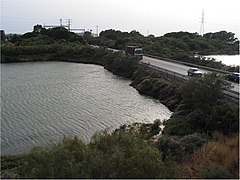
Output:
(134, 51)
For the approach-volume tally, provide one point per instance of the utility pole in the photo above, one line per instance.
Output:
(201, 32)
(60, 22)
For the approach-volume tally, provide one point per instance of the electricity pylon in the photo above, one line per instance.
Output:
(201, 32)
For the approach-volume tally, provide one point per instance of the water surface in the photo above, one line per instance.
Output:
(231, 60)
(43, 101)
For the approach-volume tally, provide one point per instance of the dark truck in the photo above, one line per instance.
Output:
(134, 51)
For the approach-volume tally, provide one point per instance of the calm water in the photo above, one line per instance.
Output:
(43, 101)
(231, 60)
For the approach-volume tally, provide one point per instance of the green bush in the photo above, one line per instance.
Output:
(177, 127)
(109, 155)
(223, 118)
(200, 92)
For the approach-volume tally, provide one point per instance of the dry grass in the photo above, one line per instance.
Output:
(221, 152)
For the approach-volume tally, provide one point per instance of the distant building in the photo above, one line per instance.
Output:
(3, 37)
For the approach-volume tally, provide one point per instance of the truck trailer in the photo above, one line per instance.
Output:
(134, 51)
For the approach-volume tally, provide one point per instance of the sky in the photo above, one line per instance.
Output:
(156, 17)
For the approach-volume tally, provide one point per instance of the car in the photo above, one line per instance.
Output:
(194, 72)
(233, 76)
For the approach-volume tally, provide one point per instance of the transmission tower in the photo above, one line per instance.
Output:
(201, 32)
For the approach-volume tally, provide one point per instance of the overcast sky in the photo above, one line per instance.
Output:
(155, 17)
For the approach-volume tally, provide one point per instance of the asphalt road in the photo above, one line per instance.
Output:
(178, 68)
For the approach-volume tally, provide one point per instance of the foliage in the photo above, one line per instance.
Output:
(175, 126)
(199, 111)
(120, 64)
(200, 92)
(182, 46)
(223, 118)
(151, 83)
(217, 159)
(66, 159)
(177, 147)
(203, 109)
(143, 131)
(44, 36)
(117, 155)
(222, 36)
(37, 28)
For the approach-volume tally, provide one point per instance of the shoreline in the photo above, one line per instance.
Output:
(177, 139)
(26, 59)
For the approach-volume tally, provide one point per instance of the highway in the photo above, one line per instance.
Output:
(178, 68)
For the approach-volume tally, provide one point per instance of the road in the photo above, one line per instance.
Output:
(178, 68)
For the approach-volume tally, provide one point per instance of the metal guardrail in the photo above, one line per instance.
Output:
(188, 64)
(230, 94)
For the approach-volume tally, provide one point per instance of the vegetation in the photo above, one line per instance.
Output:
(116, 155)
(199, 115)
(182, 46)
(218, 158)
(123, 154)
(200, 140)
(203, 108)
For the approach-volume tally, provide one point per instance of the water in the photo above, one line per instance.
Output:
(43, 101)
(231, 60)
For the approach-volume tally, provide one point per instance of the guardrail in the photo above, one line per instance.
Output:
(188, 64)
(179, 78)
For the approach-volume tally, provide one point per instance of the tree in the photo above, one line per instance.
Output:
(111, 34)
(59, 33)
(135, 33)
(222, 36)
(15, 38)
(37, 28)
(87, 34)
(182, 34)
(28, 35)
(120, 44)
(199, 92)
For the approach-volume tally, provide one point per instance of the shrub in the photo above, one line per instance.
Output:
(204, 91)
(217, 159)
(109, 155)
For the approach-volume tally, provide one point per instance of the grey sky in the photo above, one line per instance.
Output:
(146, 16)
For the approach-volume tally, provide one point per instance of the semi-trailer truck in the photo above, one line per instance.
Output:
(134, 51)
